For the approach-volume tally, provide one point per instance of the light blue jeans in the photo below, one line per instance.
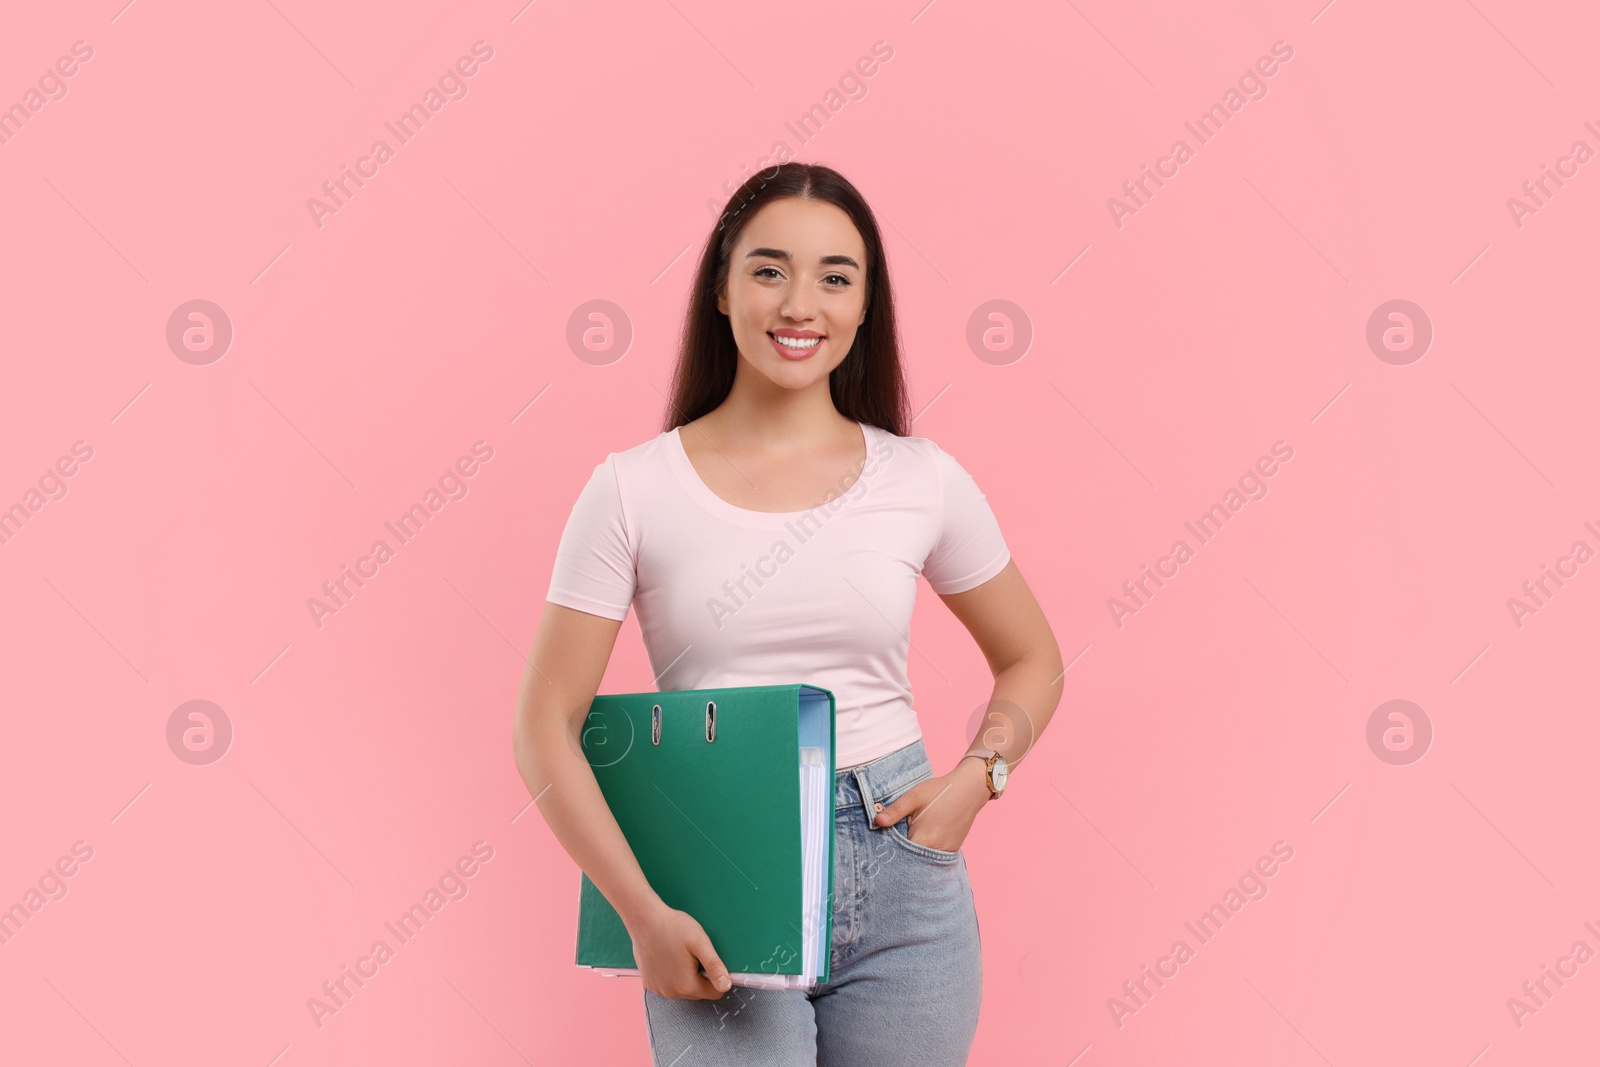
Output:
(906, 973)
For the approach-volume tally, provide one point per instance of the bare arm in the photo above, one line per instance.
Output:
(563, 675)
(1010, 628)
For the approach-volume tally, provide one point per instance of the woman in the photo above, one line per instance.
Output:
(773, 533)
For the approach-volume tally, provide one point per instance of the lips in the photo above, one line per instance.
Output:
(790, 352)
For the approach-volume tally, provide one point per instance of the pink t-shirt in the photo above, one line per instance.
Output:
(727, 596)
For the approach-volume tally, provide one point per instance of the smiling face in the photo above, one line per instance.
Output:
(796, 291)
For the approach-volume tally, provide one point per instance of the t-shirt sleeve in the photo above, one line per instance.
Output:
(970, 549)
(594, 567)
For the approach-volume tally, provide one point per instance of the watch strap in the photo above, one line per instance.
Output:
(988, 755)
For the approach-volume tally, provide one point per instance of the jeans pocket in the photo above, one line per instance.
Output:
(898, 833)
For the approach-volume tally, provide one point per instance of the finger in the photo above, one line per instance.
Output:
(696, 987)
(889, 814)
(716, 980)
(704, 990)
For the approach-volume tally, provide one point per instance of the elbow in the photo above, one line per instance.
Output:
(526, 745)
(1040, 665)
(1042, 656)
(521, 745)
(536, 735)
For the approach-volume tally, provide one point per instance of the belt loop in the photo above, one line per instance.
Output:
(866, 794)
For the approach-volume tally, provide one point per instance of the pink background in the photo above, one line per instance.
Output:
(585, 163)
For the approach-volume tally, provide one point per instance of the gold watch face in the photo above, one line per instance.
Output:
(997, 774)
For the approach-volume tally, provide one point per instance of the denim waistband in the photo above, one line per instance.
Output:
(891, 773)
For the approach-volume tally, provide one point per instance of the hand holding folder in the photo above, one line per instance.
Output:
(726, 798)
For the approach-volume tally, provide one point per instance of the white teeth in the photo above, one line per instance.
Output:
(797, 342)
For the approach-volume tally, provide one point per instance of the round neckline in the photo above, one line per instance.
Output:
(702, 493)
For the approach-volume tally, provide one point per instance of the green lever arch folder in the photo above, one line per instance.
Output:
(726, 797)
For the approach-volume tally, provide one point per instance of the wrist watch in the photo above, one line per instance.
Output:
(994, 770)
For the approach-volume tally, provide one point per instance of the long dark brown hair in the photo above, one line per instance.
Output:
(867, 386)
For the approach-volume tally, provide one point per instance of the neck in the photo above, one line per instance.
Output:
(759, 412)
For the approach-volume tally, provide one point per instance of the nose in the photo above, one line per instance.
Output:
(796, 306)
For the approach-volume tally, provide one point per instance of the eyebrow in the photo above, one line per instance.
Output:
(778, 253)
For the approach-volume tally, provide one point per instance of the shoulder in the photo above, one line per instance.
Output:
(883, 445)
(641, 458)
(621, 481)
(910, 456)
(936, 474)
